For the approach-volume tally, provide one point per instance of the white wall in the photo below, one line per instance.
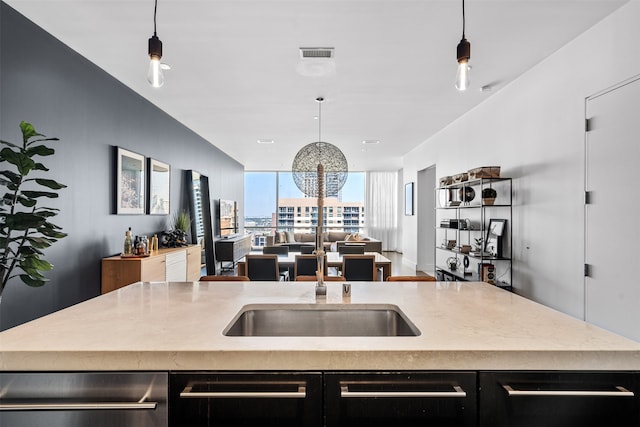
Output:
(534, 129)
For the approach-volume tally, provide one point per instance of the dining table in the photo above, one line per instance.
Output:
(334, 259)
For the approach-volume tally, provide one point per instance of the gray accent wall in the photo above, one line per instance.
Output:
(44, 82)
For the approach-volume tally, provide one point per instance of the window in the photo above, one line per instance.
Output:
(273, 202)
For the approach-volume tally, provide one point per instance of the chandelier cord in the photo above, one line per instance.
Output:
(320, 99)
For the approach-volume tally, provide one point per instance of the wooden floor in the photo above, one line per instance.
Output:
(398, 267)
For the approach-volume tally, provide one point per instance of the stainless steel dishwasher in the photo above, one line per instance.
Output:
(79, 399)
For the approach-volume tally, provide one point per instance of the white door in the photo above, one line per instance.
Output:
(426, 220)
(612, 228)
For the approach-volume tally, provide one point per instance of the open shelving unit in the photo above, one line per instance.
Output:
(462, 216)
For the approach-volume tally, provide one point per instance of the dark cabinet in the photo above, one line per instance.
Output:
(400, 399)
(199, 399)
(405, 398)
(232, 249)
(554, 399)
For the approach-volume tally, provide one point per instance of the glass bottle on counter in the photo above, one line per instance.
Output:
(128, 244)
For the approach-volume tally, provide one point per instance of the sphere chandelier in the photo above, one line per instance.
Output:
(320, 168)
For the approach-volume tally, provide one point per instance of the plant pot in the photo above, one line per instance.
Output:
(489, 196)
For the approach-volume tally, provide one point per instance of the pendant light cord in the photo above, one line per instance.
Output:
(155, 12)
(463, 19)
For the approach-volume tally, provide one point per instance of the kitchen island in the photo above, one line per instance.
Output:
(179, 326)
(482, 357)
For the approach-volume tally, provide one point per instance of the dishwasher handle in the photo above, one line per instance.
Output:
(618, 392)
(299, 393)
(346, 393)
(76, 406)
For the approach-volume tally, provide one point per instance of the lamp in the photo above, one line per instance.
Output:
(320, 168)
(463, 52)
(155, 76)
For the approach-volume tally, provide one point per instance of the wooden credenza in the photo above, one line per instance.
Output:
(164, 265)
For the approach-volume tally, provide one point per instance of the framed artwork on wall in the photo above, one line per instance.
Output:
(159, 187)
(130, 182)
(408, 198)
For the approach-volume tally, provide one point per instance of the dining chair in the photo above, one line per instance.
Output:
(349, 249)
(425, 278)
(307, 265)
(359, 267)
(325, 278)
(263, 267)
(224, 279)
(278, 250)
(307, 249)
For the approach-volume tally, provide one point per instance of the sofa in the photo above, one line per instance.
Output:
(331, 240)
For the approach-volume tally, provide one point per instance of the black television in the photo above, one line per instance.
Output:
(227, 217)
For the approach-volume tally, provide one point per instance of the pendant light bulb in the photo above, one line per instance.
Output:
(155, 76)
(462, 75)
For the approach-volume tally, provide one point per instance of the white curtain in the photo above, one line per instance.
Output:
(381, 204)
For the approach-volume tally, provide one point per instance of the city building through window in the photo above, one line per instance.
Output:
(274, 203)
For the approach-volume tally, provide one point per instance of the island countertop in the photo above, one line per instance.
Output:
(178, 326)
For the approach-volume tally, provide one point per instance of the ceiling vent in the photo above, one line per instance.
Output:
(316, 52)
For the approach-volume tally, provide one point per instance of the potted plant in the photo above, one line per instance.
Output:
(177, 236)
(25, 229)
(489, 196)
(478, 244)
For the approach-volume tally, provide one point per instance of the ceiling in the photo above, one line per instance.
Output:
(235, 65)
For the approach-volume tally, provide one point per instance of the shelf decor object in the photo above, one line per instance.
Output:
(130, 182)
(489, 196)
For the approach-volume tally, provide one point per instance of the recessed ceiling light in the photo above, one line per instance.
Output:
(266, 141)
(371, 141)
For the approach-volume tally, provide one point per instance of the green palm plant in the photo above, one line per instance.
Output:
(25, 229)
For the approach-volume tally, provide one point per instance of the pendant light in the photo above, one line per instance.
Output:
(321, 156)
(463, 54)
(155, 76)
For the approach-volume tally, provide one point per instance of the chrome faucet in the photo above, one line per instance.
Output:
(321, 289)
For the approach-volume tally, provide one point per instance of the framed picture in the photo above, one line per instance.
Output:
(130, 182)
(408, 198)
(493, 242)
(159, 187)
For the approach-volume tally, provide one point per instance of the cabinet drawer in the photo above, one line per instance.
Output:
(176, 266)
(246, 399)
(401, 399)
(72, 399)
(153, 269)
(194, 261)
(550, 399)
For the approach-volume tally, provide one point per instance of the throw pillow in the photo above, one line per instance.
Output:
(290, 237)
(348, 237)
(282, 238)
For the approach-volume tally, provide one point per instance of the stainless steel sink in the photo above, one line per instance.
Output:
(321, 320)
